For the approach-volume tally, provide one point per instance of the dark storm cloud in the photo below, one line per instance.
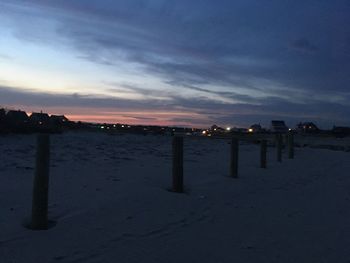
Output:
(223, 44)
(211, 42)
(302, 46)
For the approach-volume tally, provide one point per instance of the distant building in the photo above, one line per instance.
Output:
(39, 118)
(278, 126)
(2, 114)
(2, 119)
(307, 127)
(58, 119)
(16, 117)
(216, 128)
(255, 128)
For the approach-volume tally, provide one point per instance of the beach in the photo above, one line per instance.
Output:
(110, 201)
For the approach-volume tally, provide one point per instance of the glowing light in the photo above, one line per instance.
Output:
(102, 127)
(250, 130)
(228, 128)
(204, 132)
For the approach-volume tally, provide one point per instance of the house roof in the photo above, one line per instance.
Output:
(58, 117)
(39, 116)
(17, 115)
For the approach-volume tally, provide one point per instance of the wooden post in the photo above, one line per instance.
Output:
(41, 184)
(263, 153)
(178, 164)
(291, 146)
(234, 158)
(279, 147)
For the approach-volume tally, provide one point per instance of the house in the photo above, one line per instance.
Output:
(16, 117)
(58, 119)
(16, 121)
(2, 119)
(215, 128)
(39, 118)
(307, 127)
(255, 128)
(2, 115)
(278, 126)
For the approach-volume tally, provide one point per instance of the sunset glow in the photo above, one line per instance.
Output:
(197, 65)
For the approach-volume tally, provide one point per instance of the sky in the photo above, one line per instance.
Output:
(185, 63)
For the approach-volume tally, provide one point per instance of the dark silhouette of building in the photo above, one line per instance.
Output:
(278, 126)
(307, 127)
(255, 128)
(16, 121)
(41, 118)
(58, 119)
(17, 117)
(216, 129)
(2, 120)
(2, 115)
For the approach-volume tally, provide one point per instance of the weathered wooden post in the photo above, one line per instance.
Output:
(279, 147)
(234, 158)
(263, 153)
(41, 184)
(177, 164)
(291, 145)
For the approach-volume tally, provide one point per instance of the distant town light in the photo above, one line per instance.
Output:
(290, 129)
(250, 130)
(204, 132)
(102, 127)
(228, 128)
(122, 126)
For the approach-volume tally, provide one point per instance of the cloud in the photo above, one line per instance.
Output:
(180, 110)
(233, 60)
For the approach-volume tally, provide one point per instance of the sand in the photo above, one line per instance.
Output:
(109, 198)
